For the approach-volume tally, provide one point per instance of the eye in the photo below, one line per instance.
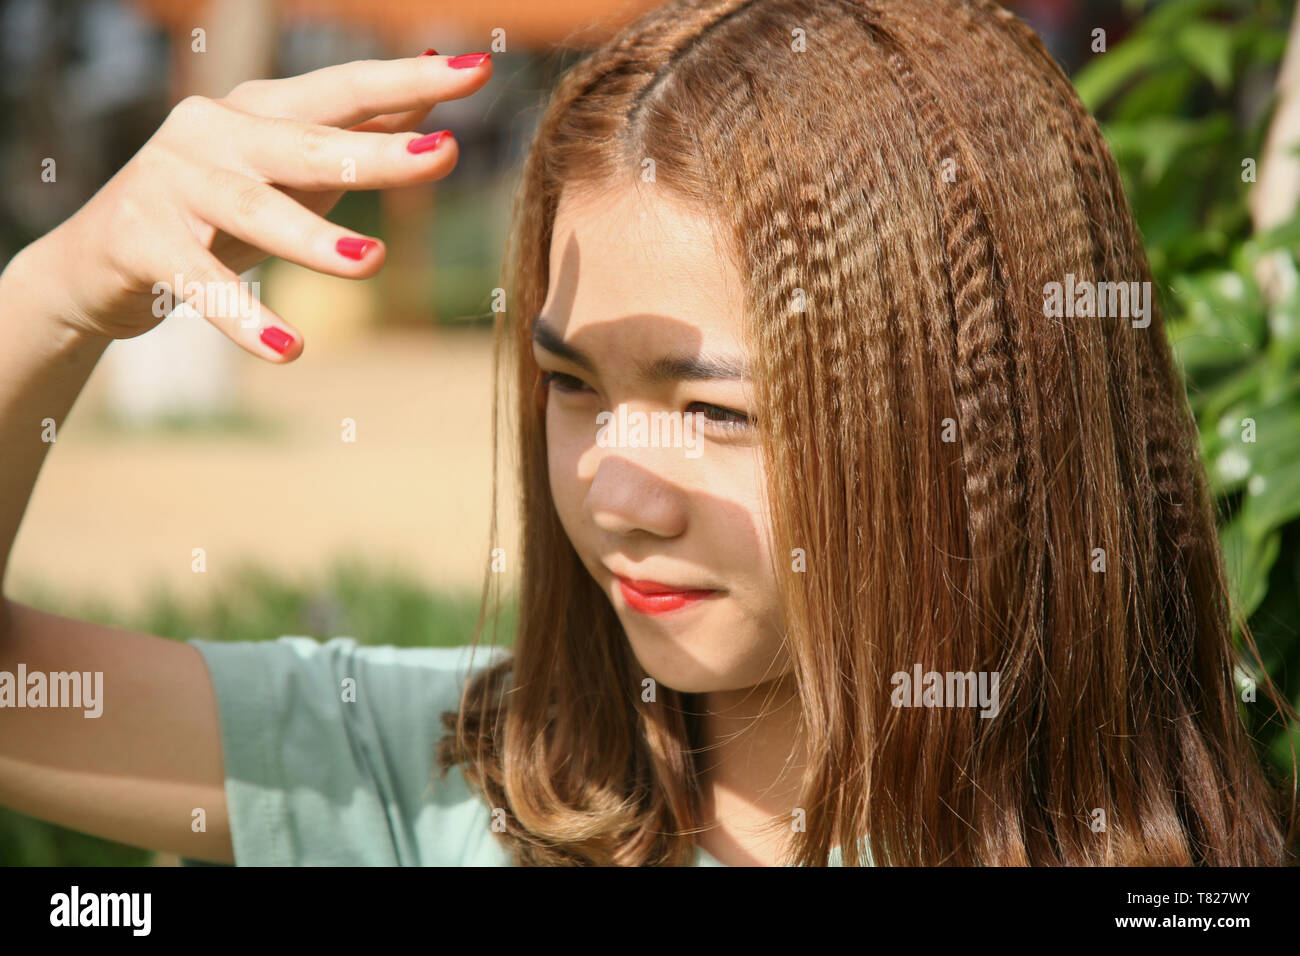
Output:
(563, 382)
(722, 417)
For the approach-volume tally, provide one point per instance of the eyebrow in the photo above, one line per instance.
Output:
(667, 368)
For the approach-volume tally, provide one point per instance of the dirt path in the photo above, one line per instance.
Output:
(115, 512)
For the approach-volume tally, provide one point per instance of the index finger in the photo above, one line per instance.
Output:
(351, 93)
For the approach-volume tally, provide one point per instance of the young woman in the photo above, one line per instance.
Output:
(931, 576)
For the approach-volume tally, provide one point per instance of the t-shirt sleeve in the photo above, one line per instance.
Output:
(329, 753)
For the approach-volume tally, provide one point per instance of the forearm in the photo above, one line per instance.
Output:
(44, 363)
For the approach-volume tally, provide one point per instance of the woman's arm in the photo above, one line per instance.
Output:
(222, 184)
(136, 772)
(44, 362)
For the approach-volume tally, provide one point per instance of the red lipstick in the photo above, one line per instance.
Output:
(651, 597)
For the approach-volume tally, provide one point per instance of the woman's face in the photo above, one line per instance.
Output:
(643, 312)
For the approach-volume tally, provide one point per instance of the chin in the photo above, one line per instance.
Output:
(690, 671)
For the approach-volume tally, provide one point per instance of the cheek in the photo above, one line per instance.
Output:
(563, 453)
(740, 517)
(759, 507)
(755, 557)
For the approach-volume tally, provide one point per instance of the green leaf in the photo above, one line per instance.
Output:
(1208, 47)
(1198, 350)
(1216, 320)
(1158, 141)
(1248, 558)
(1273, 499)
(1285, 236)
(1109, 71)
(1164, 18)
(1160, 93)
(1284, 317)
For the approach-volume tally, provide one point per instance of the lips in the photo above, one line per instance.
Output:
(652, 597)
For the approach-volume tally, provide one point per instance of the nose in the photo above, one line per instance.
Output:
(625, 496)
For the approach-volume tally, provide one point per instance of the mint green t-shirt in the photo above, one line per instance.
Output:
(317, 778)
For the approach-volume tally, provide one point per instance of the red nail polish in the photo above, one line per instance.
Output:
(354, 248)
(467, 60)
(430, 52)
(426, 143)
(277, 339)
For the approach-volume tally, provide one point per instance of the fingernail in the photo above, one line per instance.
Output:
(426, 143)
(467, 60)
(430, 52)
(354, 248)
(278, 339)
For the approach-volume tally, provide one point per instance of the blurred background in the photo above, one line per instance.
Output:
(182, 441)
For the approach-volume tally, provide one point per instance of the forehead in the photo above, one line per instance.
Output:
(622, 258)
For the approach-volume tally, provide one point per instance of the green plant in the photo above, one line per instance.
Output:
(1174, 101)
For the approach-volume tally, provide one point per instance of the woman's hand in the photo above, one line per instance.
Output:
(224, 183)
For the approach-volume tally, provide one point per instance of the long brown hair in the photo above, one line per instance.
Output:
(978, 485)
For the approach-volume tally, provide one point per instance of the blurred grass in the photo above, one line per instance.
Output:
(374, 605)
(236, 421)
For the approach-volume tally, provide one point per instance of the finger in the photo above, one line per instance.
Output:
(393, 122)
(308, 156)
(260, 215)
(351, 93)
(207, 288)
